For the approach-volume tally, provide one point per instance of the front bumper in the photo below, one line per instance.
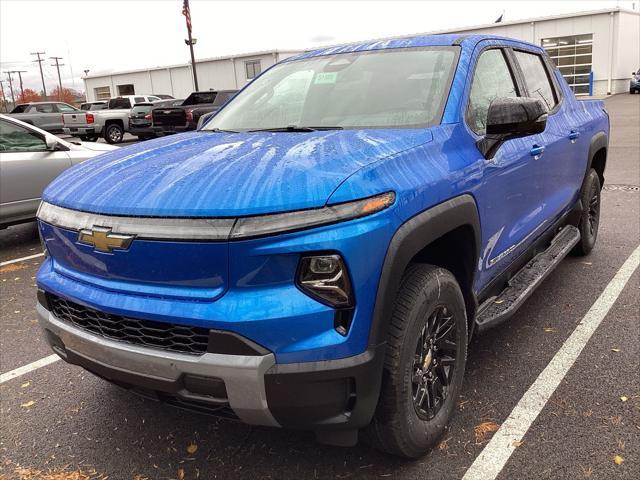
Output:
(333, 394)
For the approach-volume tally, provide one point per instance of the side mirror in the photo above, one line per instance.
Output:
(512, 117)
(52, 143)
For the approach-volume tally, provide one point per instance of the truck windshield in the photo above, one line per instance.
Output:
(393, 88)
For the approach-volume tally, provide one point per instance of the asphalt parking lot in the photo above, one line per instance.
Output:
(59, 416)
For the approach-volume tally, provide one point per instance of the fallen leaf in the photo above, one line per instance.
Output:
(549, 329)
(517, 443)
(587, 263)
(192, 448)
(615, 349)
(623, 398)
(25, 385)
(27, 404)
(618, 460)
(484, 428)
(498, 301)
(180, 474)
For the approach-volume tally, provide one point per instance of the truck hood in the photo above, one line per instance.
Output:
(209, 174)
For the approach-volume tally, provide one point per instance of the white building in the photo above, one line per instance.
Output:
(219, 73)
(596, 52)
(605, 42)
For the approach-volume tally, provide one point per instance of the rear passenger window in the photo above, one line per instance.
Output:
(492, 79)
(44, 108)
(536, 78)
(140, 99)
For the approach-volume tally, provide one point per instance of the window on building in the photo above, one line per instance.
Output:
(572, 56)
(252, 68)
(492, 79)
(536, 78)
(126, 89)
(102, 93)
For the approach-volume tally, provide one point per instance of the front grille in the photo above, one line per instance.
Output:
(148, 333)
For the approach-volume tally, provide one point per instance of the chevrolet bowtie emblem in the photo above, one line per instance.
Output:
(103, 240)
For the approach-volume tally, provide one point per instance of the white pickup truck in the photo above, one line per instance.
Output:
(109, 124)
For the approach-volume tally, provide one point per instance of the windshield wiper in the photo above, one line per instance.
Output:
(294, 128)
(219, 130)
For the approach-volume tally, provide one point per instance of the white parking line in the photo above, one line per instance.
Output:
(495, 455)
(43, 362)
(16, 260)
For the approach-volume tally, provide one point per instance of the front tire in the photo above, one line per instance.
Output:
(113, 133)
(590, 218)
(424, 363)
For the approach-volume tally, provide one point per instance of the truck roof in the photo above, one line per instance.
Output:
(464, 40)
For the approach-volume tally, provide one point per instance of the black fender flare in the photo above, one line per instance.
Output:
(598, 142)
(415, 234)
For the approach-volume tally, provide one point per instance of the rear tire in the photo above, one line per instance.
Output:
(426, 350)
(113, 133)
(590, 218)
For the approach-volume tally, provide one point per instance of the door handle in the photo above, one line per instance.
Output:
(536, 151)
(573, 135)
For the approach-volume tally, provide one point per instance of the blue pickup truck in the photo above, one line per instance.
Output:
(319, 254)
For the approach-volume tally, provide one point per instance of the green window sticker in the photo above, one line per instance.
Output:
(325, 78)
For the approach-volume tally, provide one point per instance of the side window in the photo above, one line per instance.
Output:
(492, 79)
(153, 99)
(16, 138)
(139, 100)
(536, 78)
(64, 108)
(45, 108)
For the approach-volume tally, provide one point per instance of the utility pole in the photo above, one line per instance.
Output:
(13, 98)
(20, 72)
(58, 65)
(4, 100)
(186, 11)
(40, 60)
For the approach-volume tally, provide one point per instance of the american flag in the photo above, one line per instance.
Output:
(187, 14)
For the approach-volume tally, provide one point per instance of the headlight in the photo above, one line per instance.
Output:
(302, 219)
(214, 229)
(325, 278)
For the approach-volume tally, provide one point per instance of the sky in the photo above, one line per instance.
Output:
(107, 36)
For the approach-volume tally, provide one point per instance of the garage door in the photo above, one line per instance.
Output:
(572, 55)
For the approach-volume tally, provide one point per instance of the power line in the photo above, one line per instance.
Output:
(58, 65)
(40, 60)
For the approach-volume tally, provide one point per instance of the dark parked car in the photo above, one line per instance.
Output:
(185, 117)
(140, 121)
(634, 83)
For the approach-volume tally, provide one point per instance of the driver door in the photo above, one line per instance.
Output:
(509, 196)
(26, 168)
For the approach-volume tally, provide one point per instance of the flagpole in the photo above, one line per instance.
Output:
(186, 11)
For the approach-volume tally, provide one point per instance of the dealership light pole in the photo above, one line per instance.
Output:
(40, 60)
(58, 65)
(190, 41)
